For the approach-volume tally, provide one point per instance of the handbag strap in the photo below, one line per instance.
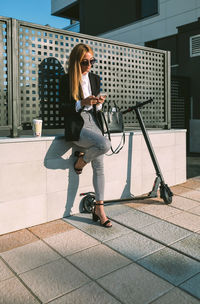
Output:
(122, 141)
(110, 107)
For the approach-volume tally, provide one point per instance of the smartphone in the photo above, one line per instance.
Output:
(102, 94)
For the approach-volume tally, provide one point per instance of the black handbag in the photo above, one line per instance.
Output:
(112, 121)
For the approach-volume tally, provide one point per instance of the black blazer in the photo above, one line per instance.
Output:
(73, 121)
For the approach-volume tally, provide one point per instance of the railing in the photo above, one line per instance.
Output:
(33, 57)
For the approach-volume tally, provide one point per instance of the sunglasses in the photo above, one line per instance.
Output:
(86, 62)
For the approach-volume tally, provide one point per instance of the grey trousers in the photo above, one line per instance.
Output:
(95, 146)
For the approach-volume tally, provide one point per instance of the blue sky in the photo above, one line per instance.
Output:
(36, 11)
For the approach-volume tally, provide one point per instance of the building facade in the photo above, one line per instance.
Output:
(172, 25)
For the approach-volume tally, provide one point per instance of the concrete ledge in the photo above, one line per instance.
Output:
(38, 183)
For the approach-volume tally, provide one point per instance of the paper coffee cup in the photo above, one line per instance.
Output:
(37, 127)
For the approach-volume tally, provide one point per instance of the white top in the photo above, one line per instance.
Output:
(86, 87)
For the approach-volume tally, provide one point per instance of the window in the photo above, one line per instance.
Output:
(195, 46)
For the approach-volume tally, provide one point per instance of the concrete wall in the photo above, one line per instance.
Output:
(172, 13)
(38, 183)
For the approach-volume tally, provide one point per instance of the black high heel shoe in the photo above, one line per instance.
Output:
(78, 154)
(95, 218)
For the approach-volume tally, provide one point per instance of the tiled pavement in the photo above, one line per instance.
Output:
(150, 255)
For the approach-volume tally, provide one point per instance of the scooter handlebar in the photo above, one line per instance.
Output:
(138, 105)
(141, 104)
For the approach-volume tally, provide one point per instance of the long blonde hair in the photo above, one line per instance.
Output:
(74, 69)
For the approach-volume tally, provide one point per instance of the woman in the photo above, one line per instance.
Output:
(80, 104)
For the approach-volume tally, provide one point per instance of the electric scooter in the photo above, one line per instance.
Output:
(165, 192)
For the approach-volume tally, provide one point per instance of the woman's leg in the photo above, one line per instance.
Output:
(98, 177)
(96, 146)
(99, 211)
(94, 143)
(99, 185)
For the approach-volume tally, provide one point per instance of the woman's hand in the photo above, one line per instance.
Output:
(101, 99)
(90, 100)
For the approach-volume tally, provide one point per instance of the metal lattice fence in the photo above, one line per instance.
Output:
(129, 74)
(3, 75)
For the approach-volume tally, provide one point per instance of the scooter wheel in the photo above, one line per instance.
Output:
(88, 203)
(166, 194)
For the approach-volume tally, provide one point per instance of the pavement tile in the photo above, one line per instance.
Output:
(183, 203)
(5, 272)
(135, 219)
(176, 296)
(165, 232)
(171, 265)
(98, 261)
(29, 256)
(50, 228)
(192, 286)
(90, 294)
(16, 239)
(134, 245)
(83, 222)
(115, 209)
(192, 183)
(66, 243)
(134, 284)
(186, 220)
(54, 279)
(141, 204)
(12, 291)
(186, 192)
(178, 189)
(189, 245)
(195, 210)
(160, 211)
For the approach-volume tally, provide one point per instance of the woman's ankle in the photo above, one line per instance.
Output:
(100, 208)
(99, 205)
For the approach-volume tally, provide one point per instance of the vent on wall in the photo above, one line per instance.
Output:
(195, 46)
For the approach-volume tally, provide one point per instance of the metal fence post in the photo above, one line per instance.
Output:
(168, 89)
(15, 79)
